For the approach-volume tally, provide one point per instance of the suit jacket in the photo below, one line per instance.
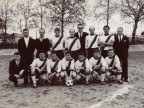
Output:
(43, 45)
(82, 40)
(26, 52)
(121, 48)
(15, 69)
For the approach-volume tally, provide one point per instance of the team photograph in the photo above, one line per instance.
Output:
(72, 54)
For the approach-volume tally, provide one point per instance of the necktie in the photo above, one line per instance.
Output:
(120, 38)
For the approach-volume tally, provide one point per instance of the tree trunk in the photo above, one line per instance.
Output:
(134, 31)
(62, 19)
(5, 27)
(108, 12)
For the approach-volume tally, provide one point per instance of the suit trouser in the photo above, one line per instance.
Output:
(60, 54)
(124, 63)
(14, 79)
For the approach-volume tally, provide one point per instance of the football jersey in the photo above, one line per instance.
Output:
(79, 64)
(50, 65)
(89, 40)
(66, 62)
(76, 45)
(115, 63)
(94, 61)
(102, 40)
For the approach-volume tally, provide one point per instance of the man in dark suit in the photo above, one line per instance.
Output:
(17, 69)
(121, 46)
(81, 35)
(26, 47)
(42, 44)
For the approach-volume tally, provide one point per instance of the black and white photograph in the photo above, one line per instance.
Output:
(71, 53)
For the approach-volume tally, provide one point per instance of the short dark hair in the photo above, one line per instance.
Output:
(120, 28)
(42, 52)
(96, 50)
(106, 26)
(57, 29)
(110, 50)
(16, 53)
(80, 24)
(25, 29)
(53, 52)
(82, 53)
(67, 52)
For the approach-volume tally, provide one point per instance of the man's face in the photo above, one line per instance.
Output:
(96, 54)
(54, 57)
(106, 30)
(42, 34)
(80, 28)
(111, 53)
(42, 56)
(81, 58)
(17, 57)
(68, 56)
(57, 33)
(72, 32)
(26, 33)
(119, 31)
(92, 30)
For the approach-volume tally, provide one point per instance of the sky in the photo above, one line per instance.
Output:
(115, 22)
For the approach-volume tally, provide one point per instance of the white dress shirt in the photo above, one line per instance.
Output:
(26, 41)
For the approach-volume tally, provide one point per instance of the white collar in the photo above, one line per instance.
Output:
(26, 38)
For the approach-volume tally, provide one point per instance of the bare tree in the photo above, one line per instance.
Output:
(104, 9)
(5, 13)
(133, 9)
(24, 14)
(64, 12)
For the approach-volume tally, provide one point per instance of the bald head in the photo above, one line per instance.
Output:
(92, 30)
(72, 32)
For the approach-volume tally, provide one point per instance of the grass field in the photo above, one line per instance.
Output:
(78, 96)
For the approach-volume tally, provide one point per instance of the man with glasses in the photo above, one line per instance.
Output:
(81, 35)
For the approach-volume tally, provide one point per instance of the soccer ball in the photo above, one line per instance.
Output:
(69, 82)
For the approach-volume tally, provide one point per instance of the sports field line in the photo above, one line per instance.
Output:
(110, 98)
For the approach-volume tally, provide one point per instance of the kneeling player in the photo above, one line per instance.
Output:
(68, 69)
(82, 68)
(54, 68)
(98, 66)
(38, 69)
(17, 69)
(113, 66)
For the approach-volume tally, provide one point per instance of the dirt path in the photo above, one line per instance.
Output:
(78, 96)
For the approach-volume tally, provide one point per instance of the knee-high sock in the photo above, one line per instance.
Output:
(102, 77)
(33, 79)
(119, 76)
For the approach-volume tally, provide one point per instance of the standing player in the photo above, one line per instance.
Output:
(17, 69)
(72, 44)
(26, 47)
(106, 41)
(98, 66)
(68, 67)
(42, 43)
(121, 46)
(81, 35)
(91, 42)
(38, 69)
(113, 66)
(82, 68)
(53, 68)
(58, 44)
